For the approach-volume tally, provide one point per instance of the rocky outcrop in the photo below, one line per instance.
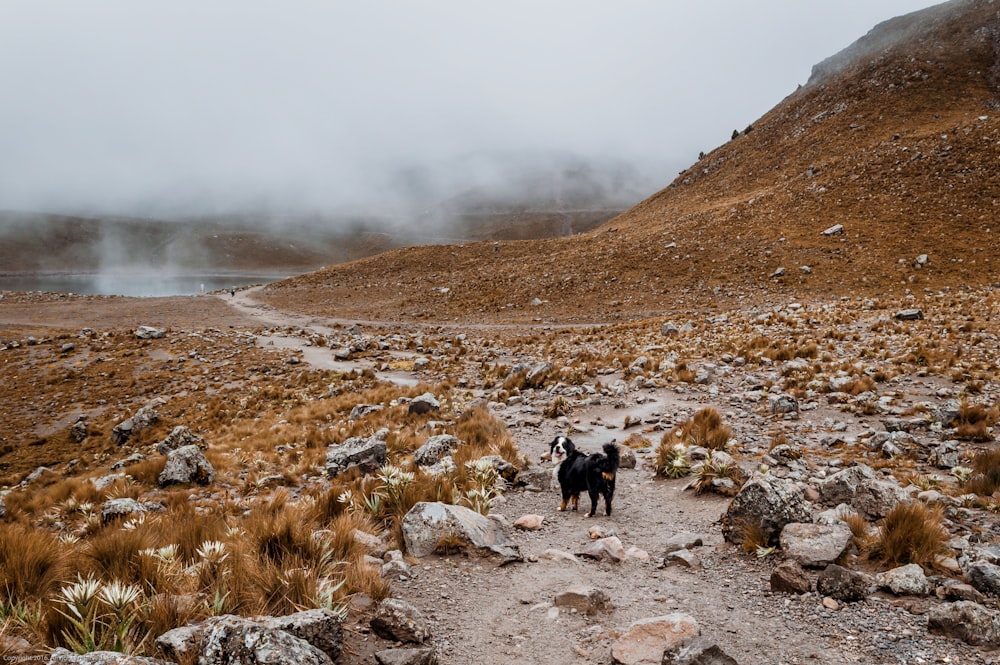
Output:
(429, 526)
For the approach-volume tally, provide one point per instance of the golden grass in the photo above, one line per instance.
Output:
(910, 533)
(985, 479)
(705, 428)
(32, 563)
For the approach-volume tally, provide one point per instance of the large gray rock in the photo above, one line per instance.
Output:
(398, 620)
(908, 580)
(234, 640)
(845, 585)
(984, 576)
(367, 454)
(186, 465)
(114, 509)
(150, 332)
(766, 502)
(815, 545)
(646, 640)
(129, 427)
(63, 657)
(435, 448)
(860, 488)
(537, 374)
(179, 437)
(322, 628)
(967, 621)
(784, 403)
(424, 404)
(428, 525)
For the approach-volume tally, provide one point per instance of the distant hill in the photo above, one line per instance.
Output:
(896, 139)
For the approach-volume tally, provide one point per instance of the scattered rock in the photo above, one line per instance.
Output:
(698, 651)
(179, 437)
(233, 639)
(584, 599)
(790, 577)
(129, 427)
(64, 657)
(429, 526)
(908, 315)
(529, 522)
(908, 580)
(397, 620)
(815, 545)
(322, 628)
(984, 576)
(435, 448)
(114, 509)
(845, 585)
(425, 656)
(646, 640)
(604, 549)
(967, 621)
(425, 403)
(682, 541)
(766, 502)
(835, 230)
(149, 332)
(186, 465)
(365, 453)
(860, 488)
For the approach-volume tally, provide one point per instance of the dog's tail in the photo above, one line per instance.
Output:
(610, 465)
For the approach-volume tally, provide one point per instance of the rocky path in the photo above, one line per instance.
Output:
(491, 615)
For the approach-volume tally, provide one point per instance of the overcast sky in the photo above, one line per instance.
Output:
(153, 106)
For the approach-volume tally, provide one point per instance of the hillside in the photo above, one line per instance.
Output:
(896, 138)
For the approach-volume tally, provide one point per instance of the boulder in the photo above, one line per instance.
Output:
(529, 522)
(984, 576)
(646, 640)
(129, 427)
(398, 620)
(682, 541)
(365, 453)
(815, 545)
(362, 410)
(424, 404)
(860, 488)
(435, 448)
(186, 465)
(322, 628)
(967, 621)
(429, 525)
(908, 315)
(766, 502)
(149, 332)
(699, 651)
(536, 478)
(64, 657)
(908, 580)
(179, 437)
(845, 585)
(584, 599)
(790, 577)
(233, 640)
(114, 509)
(785, 403)
(536, 376)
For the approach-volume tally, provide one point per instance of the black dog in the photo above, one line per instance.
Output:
(579, 472)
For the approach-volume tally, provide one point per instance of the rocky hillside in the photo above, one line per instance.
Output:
(896, 139)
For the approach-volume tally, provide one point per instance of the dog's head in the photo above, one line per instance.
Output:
(560, 448)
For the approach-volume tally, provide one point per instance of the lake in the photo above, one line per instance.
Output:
(144, 284)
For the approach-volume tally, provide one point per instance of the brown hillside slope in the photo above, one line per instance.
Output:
(897, 138)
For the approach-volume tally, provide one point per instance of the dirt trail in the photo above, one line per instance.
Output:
(489, 615)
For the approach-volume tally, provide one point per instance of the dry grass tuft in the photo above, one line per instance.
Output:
(985, 478)
(910, 533)
(704, 429)
(32, 563)
(672, 459)
(974, 422)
